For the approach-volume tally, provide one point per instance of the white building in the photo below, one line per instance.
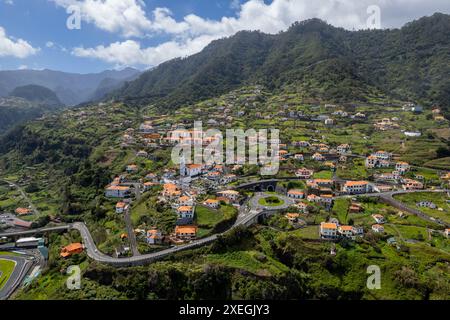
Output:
(402, 167)
(378, 218)
(121, 207)
(356, 187)
(304, 173)
(185, 212)
(117, 191)
(229, 194)
(383, 155)
(344, 149)
(378, 228)
(296, 194)
(328, 230)
(426, 204)
(154, 236)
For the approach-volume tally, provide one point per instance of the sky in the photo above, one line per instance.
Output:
(86, 36)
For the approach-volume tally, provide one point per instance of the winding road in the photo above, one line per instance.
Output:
(246, 216)
(21, 268)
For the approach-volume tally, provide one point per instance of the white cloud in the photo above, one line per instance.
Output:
(235, 4)
(10, 2)
(192, 33)
(15, 47)
(130, 52)
(22, 67)
(49, 44)
(126, 17)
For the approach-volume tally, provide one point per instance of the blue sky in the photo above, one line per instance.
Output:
(144, 33)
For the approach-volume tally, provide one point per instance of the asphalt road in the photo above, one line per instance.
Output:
(255, 205)
(25, 196)
(17, 276)
(246, 214)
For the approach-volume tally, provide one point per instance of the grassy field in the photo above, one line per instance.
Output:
(439, 199)
(271, 201)
(208, 218)
(6, 269)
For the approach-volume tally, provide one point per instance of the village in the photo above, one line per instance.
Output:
(323, 180)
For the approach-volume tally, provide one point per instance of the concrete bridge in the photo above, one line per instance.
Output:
(259, 186)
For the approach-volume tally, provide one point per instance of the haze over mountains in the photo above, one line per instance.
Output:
(328, 62)
(70, 88)
(28, 94)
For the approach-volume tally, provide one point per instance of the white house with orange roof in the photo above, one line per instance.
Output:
(326, 199)
(185, 201)
(121, 207)
(292, 217)
(402, 166)
(171, 190)
(371, 162)
(117, 191)
(193, 170)
(185, 212)
(346, 231)
(318, 157)
(186, 232)
(303, 207)
(154, 236)
(378, 228)
(410, 184)
(313, 198)
(383, 155)
(379, 218)
(356, 187)
(328, 230)
(232, 195)
(344, 149)
(212, 203)
(296, 194)
(447, 232)
(304, 173)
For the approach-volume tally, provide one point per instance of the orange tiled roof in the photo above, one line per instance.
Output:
(355, 183)
(328, 225)
(185, 208)
(186, 229)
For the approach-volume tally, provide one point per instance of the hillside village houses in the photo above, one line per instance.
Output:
(344, 149)
(402, 166)
(378, 228)
(410, 184)
(212, 203)
(154, 236)
(334, 231)
(304, 173)
(115, 191)
(121, 207)
(232, 195)
(296, 194)
(186, 232)
(378, 218)
(356, 187)
(185, 212)
(426, 204)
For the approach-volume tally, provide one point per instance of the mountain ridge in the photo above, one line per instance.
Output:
(71, 88)
(410, 63)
